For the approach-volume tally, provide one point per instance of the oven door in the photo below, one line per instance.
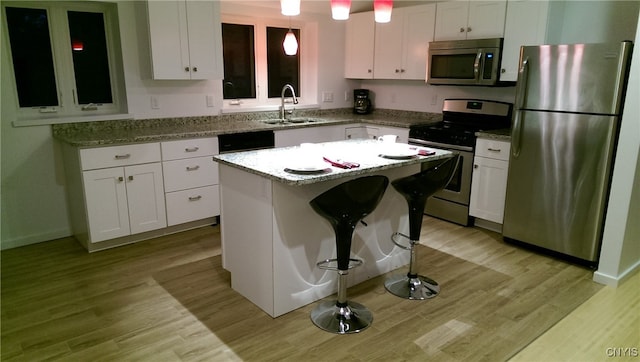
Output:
(452, 202)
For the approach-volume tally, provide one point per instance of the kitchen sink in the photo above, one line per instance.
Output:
(293, 120)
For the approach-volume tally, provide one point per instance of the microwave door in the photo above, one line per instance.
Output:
(488, 66)
(449, 66)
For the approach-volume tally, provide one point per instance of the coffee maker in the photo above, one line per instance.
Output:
(361, 101)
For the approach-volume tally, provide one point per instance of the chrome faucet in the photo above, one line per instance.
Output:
(293, 93)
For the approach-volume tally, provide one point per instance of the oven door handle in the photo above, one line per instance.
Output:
(445, 146)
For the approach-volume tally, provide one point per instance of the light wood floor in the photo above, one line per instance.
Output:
(168, 299)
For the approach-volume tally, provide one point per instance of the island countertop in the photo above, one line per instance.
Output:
(277, 163)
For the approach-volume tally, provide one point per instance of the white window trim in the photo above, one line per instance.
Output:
(68, 110)
(308, 65)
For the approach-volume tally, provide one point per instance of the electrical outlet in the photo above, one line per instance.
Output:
(434, 99)
(154, 103)
(209, 100)
(327, 97)
(347, 96)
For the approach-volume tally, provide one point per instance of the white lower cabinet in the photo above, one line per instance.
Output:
(126, 193)
(190, 179)
(124, 200)
(296, 136)
(489, 183)
(121, 197)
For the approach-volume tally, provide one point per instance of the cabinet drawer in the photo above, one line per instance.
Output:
(191, 205)
(189, 173)
(498, 150)
(197, 147)
(124, 155)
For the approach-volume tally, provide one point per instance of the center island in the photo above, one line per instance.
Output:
(272, 238)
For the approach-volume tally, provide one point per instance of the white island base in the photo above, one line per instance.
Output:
(272, 238)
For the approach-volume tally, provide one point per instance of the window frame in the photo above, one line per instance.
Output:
(68, 109)
(306, 68)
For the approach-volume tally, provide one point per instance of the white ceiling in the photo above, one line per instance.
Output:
(324, 6)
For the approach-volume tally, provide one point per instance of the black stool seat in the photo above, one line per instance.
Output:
(416, 189)
(344, 206)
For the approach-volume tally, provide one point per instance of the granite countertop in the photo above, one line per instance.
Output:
(503, 134)
(92, 134)
(276, 163)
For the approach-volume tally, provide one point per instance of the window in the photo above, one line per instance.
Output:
(256, 67)
(63, 56)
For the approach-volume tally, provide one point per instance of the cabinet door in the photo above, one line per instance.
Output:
(488, 189)
(205, 39)
(486, 19)
(451, 20)
(419, 27)
(525, 24)
(359, 44)
(106, 202)
(294, 137)
(388, 48)
(145, 197)
(167, 36)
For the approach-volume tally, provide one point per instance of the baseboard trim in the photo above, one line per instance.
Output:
(615, 281)
(35, 239)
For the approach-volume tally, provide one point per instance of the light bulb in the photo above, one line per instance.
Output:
(340, 9)
(382, 10)
(290, 43)
(290, 7)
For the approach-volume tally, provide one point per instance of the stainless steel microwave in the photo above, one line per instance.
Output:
(465, 62)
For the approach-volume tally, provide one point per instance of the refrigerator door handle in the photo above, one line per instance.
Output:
(523, 74)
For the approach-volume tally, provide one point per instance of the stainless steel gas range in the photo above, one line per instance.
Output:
(461, 119)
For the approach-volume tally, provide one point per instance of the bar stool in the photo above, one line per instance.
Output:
(344, 206)
(416, 189)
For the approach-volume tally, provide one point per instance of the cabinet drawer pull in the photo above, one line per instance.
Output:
(195, 198)
(120, 179)
(123, 157)
(475, 166)
(130, 178)
(494, 149)
(193, 168)
(191, 149)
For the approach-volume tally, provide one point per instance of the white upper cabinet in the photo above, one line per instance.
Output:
(537, 22)
(186, 39)
(459, 20)
(359, 43)
(401, 46)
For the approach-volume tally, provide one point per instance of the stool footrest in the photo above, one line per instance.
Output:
(411, 242)
(332, 264)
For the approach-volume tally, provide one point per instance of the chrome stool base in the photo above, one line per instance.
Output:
(341, 320)
(418, 288)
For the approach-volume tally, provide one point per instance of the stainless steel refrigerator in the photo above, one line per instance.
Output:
(565, 126)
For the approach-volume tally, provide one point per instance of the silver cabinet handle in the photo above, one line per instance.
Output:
(130, 178)
(369, 70)
(475, 166)
(120, 179)
(462, 30)
(195, 198)
(468, 29)
(193, 168)
(123, 157)
(186, 69)
(191, 149)
(494, 149)
(195, 69)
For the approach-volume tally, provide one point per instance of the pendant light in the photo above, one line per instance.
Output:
(290, 7)
(290, 43)
(382, 10)
(340, 9)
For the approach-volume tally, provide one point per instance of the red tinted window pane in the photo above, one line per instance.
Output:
(90, 57)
